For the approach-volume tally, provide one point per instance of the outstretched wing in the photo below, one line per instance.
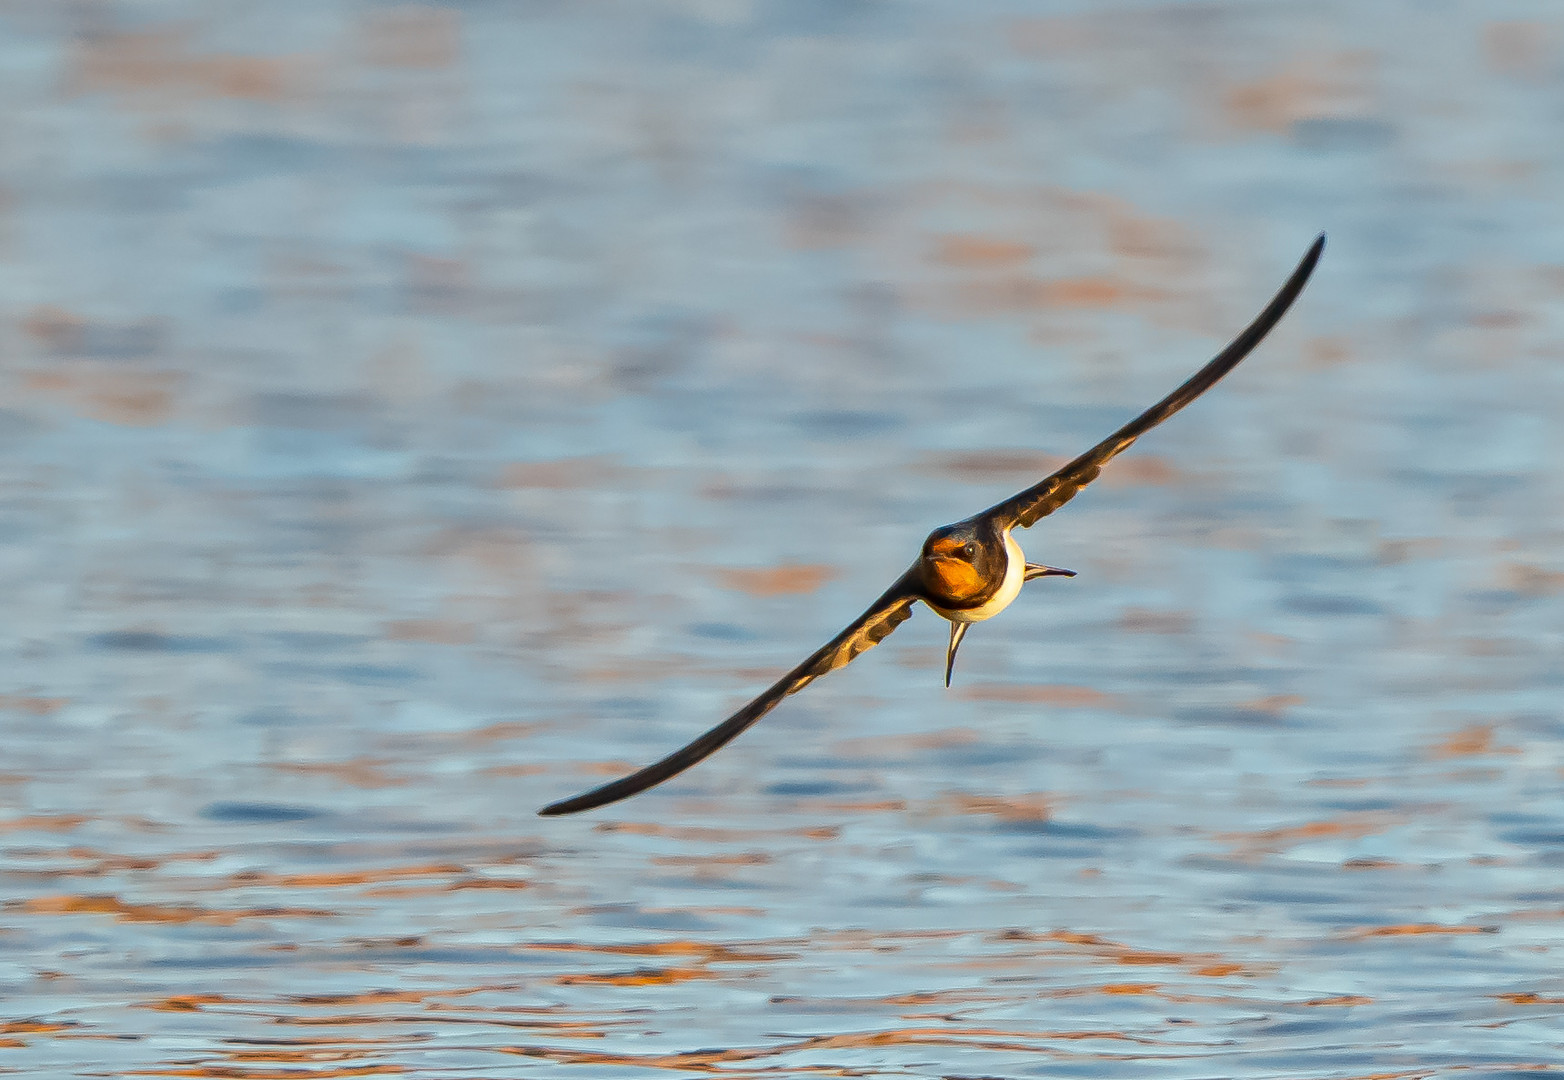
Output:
(1042, 499)
(867, 631)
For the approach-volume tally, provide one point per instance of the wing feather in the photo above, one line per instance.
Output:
(1041, 499)
(868, 630)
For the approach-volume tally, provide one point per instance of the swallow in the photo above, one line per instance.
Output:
(966, 572)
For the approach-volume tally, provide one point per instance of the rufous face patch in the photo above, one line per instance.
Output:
(956, 579)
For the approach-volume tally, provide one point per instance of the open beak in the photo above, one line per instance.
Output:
(958, 630)
(1038, 570)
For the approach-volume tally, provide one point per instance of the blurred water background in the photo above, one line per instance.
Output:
(416, 413)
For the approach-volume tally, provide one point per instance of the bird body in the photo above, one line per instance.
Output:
(966, 572)
(971, 570)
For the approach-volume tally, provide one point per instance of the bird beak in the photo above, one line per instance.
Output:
(958, 630)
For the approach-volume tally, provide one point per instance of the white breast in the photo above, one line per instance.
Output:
(1015, 574)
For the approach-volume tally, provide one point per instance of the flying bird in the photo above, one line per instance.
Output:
(966, 572)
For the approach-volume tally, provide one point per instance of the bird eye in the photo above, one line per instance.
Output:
(970, 551)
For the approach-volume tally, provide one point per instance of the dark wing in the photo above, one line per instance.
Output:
(867, 631)
(1042, 499)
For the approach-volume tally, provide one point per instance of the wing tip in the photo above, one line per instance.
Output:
(1310, 257)
(586, 800)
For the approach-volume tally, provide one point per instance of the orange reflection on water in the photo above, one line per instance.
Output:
(235, 1072)
(69, 904)
(1418, 930)
(1252, 845)
(789, 579)
(973, 1038)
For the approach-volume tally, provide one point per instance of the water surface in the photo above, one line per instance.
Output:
(415, 414)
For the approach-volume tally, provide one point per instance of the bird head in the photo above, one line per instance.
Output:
(960, 563)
